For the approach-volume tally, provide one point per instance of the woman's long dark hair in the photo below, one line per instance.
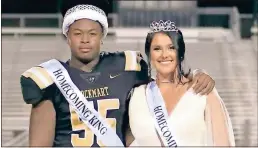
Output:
(178, 41)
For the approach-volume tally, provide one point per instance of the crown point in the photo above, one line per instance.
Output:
(163, 26)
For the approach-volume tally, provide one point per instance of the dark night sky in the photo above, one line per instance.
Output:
(29, 6)
(244, 6)
(51, 6)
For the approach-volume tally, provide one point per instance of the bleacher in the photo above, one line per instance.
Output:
(232, 63)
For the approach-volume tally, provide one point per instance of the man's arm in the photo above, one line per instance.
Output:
(202, 82)
(129, 137)
(39, 94)
(42, 124)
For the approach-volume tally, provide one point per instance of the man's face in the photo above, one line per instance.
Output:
(84, 38)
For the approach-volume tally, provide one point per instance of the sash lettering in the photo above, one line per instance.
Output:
(81, 106)
(159, 113)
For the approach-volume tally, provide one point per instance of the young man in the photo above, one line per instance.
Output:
(83, 102)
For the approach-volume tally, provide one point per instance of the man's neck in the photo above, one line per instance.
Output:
(87, 67)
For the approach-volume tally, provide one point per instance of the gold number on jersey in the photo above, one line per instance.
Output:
(88, 139)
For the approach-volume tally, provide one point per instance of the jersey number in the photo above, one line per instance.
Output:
(88, 139)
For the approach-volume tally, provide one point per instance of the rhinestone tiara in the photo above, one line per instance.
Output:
(163, 26)
(84, 7)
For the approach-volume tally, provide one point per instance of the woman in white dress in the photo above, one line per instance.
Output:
(166, 111)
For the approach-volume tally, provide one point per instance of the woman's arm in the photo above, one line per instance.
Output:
(219, 126)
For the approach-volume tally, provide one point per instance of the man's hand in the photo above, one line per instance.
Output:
(203, 83)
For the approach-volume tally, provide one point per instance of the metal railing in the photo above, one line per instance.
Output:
(34, 20)
(233, 14)
(130, 17)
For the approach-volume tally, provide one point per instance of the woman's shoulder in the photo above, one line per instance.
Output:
(140, 88)
(138, 95)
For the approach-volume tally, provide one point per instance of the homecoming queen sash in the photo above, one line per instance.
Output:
(159, 114)
(82, 107)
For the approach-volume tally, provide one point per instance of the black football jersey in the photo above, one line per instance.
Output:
(106, 88)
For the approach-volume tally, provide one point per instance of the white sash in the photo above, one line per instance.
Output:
(159, 113)
(82, 107)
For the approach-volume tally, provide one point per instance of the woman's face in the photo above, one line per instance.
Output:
(163, 54)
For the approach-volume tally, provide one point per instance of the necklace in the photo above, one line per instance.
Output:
(165, 81)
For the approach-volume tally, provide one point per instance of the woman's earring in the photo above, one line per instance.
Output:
(102, 42)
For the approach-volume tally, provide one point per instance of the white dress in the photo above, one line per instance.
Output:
(192, 123)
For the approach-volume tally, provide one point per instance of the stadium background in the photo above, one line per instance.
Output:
(220, 36)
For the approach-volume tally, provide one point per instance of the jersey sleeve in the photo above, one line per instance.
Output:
(219, 126)
(134, 62)
(36, 85)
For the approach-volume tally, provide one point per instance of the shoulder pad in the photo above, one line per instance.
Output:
(40, 76)
(132, 60)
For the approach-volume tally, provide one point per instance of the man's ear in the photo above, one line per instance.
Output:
(68, 40)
